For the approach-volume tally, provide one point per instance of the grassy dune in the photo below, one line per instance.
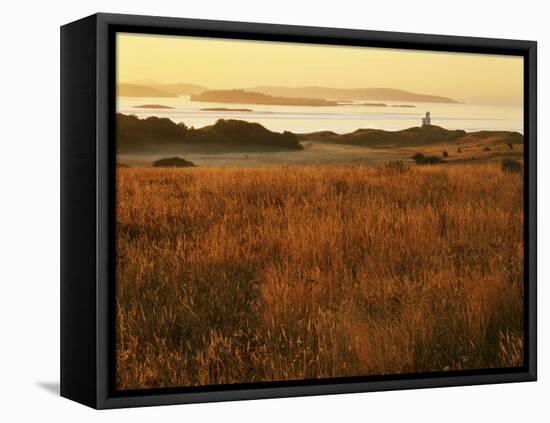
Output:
(259, 274)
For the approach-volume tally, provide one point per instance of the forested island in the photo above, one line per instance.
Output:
(251, 97)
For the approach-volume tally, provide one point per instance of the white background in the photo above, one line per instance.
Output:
(29, 209)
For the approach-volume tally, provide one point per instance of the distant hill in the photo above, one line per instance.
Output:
(381, 94)
(414, 137)
(265, 94)
(494, 137)
(133, 90)
(153, 134)
(250, 97)
(180, 88)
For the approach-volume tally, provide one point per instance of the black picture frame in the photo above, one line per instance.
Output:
(87, 208)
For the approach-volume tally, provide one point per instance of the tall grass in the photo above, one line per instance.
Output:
(279, 273)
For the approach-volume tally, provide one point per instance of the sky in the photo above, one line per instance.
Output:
(226, 64)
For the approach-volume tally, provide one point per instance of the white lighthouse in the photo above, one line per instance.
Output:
(426, 121)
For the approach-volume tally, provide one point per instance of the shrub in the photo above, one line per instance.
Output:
(487, 149)
(173, 162)
(459, 150)
(445, 154)
(510, 165)
(510, 145)
(418, 157)
(421, 159)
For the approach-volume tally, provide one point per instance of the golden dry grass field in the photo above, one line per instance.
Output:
(233, 275)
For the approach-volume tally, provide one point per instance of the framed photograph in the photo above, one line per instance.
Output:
(256, 211)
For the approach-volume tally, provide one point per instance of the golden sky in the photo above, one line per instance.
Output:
(218, 63)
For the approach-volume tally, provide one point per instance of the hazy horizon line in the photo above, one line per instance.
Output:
(146, 82)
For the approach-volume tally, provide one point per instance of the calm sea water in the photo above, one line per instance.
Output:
(339, 119)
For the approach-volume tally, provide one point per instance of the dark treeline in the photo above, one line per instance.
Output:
(134, 135)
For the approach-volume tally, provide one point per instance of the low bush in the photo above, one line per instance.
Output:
(173, 162)
(510, 165)
(421, 159)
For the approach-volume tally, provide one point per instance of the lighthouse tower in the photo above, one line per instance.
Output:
(426, 121)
